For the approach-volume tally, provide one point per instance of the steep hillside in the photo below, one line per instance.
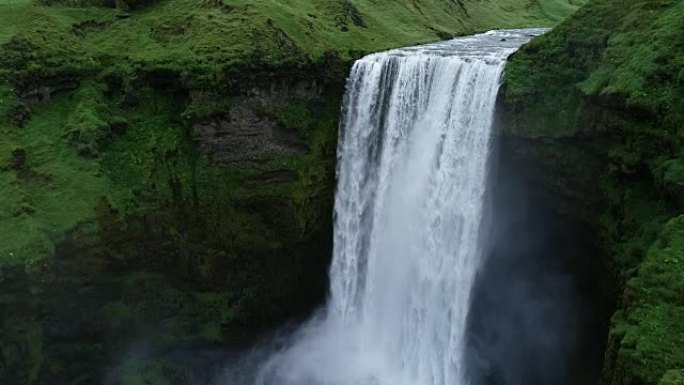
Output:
(597, 106)
(166, 168)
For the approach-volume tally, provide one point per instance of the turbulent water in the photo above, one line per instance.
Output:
(412, 171)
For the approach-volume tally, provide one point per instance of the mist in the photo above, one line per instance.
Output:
(536, 316)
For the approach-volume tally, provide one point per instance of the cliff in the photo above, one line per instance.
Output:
(595, 108)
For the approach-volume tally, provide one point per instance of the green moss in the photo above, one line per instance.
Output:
(673, 172)
(207, 104)
(314, 186)
(55, 191)
(652, 325)
(631, 54)
(87, 128)
(670, 177)
(9, 104)
(296, 117)
(116, 313)
(643, 63)
(672, 377)
(181, 317)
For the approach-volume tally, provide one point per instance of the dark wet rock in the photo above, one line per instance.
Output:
(42, 93)
(244, 136)
(19, 158)
(249, 131)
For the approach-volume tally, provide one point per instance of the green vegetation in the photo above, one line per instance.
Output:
(607, 83)
(673, 377)
(651, 327)
(204, 41)
(106, 179)
(49, 192)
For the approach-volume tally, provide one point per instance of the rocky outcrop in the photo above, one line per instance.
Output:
(244, 136)
(249, 129)
(42, 93)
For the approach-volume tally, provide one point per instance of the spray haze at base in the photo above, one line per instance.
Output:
(536, 317)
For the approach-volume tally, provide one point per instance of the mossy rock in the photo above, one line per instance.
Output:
(672, 377)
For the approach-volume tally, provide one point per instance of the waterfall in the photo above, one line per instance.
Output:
(412, 170)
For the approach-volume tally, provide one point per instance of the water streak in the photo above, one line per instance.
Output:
(412, 170)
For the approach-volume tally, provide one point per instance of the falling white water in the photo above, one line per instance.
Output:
(412, 171)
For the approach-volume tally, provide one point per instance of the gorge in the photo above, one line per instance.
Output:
(412, 169)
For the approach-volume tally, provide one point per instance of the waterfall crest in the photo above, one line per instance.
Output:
(412, 170)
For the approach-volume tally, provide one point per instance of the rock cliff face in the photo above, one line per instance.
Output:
(246, 132)
(595, 109)
(219, 225)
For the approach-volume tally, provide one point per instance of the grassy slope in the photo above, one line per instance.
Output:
(204, 37)
(612, 74)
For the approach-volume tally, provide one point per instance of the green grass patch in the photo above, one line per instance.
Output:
(652, 325)
(51, 192)
(203, 39)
